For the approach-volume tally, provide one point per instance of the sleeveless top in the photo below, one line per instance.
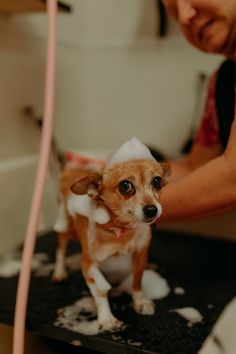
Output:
(225, 99)
(220, 107)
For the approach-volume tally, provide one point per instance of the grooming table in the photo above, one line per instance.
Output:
(204, 268)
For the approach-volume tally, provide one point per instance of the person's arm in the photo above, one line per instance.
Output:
(206, 143)
(197, 157)
(208, 190)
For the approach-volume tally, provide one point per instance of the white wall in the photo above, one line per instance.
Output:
(121, 80)
(115, 79)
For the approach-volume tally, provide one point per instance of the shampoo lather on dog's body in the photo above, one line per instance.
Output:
(84, 205)
(110, 213)
(80, 204)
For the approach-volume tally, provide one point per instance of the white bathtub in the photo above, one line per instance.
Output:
(16, 186)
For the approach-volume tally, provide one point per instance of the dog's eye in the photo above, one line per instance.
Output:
(126, 187)
(157, 182)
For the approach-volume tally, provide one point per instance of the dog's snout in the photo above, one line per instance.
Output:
(150, 211)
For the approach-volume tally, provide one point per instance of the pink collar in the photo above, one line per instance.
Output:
(119, 233)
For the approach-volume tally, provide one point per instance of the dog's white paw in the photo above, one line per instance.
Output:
(110, 324)
(59, 276)
(144, 307)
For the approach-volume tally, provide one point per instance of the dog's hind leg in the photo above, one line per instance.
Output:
(139, 261)
(62, 228)
(60, 272)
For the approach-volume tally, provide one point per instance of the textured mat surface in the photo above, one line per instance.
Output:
(204, 268)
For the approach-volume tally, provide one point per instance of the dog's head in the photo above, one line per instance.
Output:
(129, 186)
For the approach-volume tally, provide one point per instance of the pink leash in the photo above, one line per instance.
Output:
(31, 231)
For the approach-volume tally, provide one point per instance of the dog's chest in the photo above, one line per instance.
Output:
(105, 246)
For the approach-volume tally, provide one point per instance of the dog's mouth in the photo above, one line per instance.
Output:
(147, 214)
(150, 220)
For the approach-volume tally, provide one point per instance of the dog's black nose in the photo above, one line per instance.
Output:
(150, 211)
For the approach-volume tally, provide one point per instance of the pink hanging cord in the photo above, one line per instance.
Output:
(31, 231)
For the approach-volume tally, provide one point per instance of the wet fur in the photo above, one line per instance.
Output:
(99, 241)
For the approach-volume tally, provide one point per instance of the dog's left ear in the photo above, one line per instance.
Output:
(166, 172)
(87, 185)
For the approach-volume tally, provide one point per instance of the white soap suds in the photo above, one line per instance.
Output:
(79, 317)
(154, 286)
(76, 343)
(41, 257)
(45, 270)
(179, 291)
(135, 344)
(222, 339)
(10, 266)
(101, 215)
(84, 205)
(80, 204)
(190, 314)
(117, 268)
(133, 149)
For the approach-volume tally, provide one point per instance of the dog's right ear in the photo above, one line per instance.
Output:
(166, 172)
(87, 185)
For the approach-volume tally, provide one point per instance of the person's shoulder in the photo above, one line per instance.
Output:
(227, 68)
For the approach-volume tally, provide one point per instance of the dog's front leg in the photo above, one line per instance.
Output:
(99, 288)
(139, 260)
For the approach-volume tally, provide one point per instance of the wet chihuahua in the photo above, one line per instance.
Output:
(110, 212)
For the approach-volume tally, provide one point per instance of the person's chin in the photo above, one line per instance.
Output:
(214, 45)
(215, 40)
(222, 44)
(220, 48)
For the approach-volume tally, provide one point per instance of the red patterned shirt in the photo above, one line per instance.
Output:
(208, 133)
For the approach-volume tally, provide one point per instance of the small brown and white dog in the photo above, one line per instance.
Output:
(110, 212)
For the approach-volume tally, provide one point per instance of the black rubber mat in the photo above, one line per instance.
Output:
(205, 268)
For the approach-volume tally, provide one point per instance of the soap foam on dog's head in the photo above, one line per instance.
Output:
(133, 149)
(133, 164)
